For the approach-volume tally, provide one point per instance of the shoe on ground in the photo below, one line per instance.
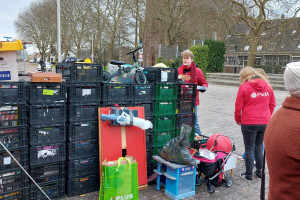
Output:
(258, 176)
(246, 177)
(240, 158)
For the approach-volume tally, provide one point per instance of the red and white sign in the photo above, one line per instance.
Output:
(140, 57)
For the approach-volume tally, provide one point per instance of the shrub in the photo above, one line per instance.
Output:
(216, 54)
(200, 56)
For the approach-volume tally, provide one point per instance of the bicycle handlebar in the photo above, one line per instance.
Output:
(134, 50)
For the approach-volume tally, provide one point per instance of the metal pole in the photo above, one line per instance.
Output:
(93, 49)
(58, 31)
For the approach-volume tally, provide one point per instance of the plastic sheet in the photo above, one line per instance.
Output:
(175, 150)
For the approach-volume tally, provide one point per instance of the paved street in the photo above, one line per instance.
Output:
(216, 116)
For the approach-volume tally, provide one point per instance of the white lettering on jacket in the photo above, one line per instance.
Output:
(259, 94)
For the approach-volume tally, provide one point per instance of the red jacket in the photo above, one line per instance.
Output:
(254, 103)
(199, 79)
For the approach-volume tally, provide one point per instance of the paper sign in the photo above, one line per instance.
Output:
(47, 92)
(164, 76)
(86, 92)
(7, 160)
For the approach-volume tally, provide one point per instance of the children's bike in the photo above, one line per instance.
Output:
(139, 76)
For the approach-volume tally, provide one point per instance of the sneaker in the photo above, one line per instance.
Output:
(244, 177)
(258, 176)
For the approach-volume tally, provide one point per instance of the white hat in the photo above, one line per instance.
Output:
(292, 78)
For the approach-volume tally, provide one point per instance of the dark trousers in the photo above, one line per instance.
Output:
(253, 139)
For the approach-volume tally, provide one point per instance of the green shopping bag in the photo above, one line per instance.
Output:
(119, 180)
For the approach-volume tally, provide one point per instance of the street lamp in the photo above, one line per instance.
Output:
(58, 31)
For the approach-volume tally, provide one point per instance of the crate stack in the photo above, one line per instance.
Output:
(84, 97)
(186, 107)
(13, 135)
(46, 113)
(142, 95)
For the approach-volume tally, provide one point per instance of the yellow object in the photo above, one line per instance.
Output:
(11, 46)
(87, 60)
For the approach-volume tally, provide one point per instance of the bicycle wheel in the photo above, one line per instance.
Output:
(140, 77)
(106, 77)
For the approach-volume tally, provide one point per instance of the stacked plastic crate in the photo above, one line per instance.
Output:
(13, 135)
(165, 115)
(84, 97)
(142, 95)
(186, 107)
(46, 113)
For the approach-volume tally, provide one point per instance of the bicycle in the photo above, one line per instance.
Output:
(139, 76)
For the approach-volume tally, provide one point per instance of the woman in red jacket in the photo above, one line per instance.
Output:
(195, 75)
(254, 106)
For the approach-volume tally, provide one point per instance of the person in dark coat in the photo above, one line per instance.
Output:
(43, 65)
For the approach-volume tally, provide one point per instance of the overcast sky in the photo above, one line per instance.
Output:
(9, 10)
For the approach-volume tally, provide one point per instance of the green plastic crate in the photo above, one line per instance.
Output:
(165, 107)
(160, 138)
(162, 123)
(165, 91)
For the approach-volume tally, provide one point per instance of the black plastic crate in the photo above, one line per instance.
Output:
(165, 91)
(12, 92)
(14, 137)
(84, 92)
(148, 107)
(13, 180)
(83, 167)
(41, 134)
(83, 130)
(48, 173)
(187, 91)
(116, 92)
(47, 114)
(40, 92)
(196, 144)
(8, 163)
(188, 119)
(12, 115)
(82, 149)
(47, 153)
(21, 194)
(149, 139)
(65, 70)
(160, 75)
(185, 106)
(149, 155)
(83, 112)
(142, 92)
(82, 185)
(54, 190)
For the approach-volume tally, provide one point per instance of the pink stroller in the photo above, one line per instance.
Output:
(212, 162)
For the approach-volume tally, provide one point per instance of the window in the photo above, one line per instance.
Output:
(258, 61)
(298, 46)
(259, 48)
(232, 47)
(247, 32)
(246, 48)
(263, 34)
(294, 32)
(272, 46)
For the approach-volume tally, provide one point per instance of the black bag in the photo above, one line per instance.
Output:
(176, 151)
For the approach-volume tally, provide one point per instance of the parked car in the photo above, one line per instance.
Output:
(31, 61)
(48, 67)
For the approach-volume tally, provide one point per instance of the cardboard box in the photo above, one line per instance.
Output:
(46, 77)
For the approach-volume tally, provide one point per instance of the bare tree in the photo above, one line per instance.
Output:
(258, 15)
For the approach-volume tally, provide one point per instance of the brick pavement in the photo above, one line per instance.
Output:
(215, 116)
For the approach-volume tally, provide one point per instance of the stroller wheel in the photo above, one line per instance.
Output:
(228, 182)
(210, 188)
